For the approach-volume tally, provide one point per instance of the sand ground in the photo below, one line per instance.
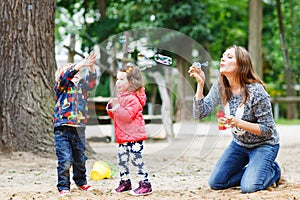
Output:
(179, 168)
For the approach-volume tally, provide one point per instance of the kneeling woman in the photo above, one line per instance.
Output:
(249, 160)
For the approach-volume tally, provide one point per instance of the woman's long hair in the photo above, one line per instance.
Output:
(245, 75)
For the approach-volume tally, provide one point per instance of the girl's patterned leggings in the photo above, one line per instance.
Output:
(132, 151)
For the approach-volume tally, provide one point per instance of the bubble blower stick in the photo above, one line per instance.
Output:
(219, 115)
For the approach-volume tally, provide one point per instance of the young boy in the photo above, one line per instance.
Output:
(70, 117)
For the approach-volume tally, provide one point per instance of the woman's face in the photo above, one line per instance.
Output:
(228, 63)
(122, 82)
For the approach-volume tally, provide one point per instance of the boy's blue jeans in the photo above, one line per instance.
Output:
(70, 147)
(253, 169)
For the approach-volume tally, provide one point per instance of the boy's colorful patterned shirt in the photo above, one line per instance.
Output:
(71, 101)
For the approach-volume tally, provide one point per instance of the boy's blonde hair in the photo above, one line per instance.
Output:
(134, 76)
(61, 69)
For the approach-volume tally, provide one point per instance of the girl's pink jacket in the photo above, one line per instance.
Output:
(128, 118)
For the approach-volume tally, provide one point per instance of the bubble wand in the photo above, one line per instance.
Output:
(199, 65)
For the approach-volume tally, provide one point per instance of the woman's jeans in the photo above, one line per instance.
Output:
(251, 168)
(70, 147)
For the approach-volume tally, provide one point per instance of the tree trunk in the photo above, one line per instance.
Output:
(255, 34)
(291, 107)
(185, 91)
(102, 8)
(71, 49)
(166, 107)
(27, 68)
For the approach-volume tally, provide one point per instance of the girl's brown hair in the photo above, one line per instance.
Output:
(245, 75)
(134, 76)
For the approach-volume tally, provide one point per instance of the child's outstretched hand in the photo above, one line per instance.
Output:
(93, 58)
(88, 61)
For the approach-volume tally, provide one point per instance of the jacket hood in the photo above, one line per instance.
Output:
(141, 95)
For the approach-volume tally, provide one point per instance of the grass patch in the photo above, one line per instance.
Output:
(283, 121)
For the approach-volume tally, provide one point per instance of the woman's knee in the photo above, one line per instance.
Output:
(249, 188)
(214, 185)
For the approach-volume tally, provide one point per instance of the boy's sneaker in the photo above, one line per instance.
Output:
(123, 186)
(143, 189)
(86, 187)
(64, 193)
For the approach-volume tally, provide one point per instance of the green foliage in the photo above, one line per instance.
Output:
(228, 23)
(102, 88)
(99, 31)
(273, 65)
(70, 5)
(188, 17)
(213, 24)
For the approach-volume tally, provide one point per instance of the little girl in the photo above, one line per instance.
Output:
(126, 111)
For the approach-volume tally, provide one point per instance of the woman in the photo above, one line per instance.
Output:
(249, 160)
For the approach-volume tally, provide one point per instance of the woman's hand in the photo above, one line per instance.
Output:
(198, 74)
(230, 121)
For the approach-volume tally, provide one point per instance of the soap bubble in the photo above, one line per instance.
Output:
(141, 57)
(151, 47)
(162, 59)
(122, 38)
